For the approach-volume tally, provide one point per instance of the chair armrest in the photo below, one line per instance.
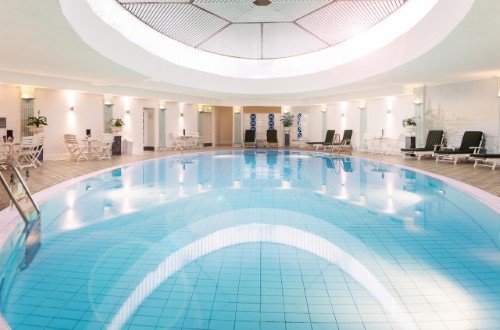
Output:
(438, 147)
(475, 149)
(449, 148)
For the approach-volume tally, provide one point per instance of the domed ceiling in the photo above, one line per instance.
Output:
(262, 29)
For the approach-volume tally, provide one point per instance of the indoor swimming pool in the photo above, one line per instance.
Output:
(259, 239)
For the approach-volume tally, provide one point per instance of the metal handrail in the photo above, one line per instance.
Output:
(11, 193)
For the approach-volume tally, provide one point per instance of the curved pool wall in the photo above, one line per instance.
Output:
(486, 217)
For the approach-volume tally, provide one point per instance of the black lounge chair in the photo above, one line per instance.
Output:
(486, 159)
(345, 143)
(471, 141)
(272, 138)
(330, 135)
(249, 138)
(433, 143)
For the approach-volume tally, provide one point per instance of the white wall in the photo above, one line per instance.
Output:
(379, 118)
(315, 124)
(455, 108)
(55, 104)
(175, 123)
(349, 120)
(471, 105)
(10, 108)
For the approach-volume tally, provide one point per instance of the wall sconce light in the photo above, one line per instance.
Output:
(71, 108)
(182, 114)
(127, 112)
(343, 114)
(388, 111)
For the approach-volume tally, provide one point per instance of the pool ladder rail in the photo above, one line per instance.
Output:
(19, 192)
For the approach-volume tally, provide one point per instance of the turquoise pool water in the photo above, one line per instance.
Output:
(261, 240)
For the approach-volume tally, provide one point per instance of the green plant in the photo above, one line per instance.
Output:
(116, 122)
(287, 119)
(37, 121)
(409, 122)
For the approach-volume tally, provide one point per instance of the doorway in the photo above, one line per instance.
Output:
(148, 129)
(224, 126)
(206, 121)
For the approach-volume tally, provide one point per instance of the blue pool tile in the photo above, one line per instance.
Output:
(298, 326)
(149, 311)
(247, 316)
(40, 321)
(223, 315)
(272, 325)
(86, 325)
(246, 325)
(196, 323)
(325, 326)
(62, 323)
(168, 323)
(224, 306)
(297, 317)
(220, 324)
(148, 321)
(272, 317)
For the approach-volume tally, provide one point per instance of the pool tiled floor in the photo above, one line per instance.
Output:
(263, 285)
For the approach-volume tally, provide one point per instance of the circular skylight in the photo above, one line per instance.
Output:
(261, 29)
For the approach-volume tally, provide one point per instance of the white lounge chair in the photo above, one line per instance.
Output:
(76, 150)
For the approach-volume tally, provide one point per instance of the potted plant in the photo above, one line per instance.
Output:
(35, 124)
(116, 124)
(287, 120)
(410, 124)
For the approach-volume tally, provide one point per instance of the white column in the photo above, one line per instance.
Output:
(418, 101)
(363, 123)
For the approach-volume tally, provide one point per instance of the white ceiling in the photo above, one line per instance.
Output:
(40, 48)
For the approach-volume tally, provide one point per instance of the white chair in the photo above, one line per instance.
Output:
(26, 155)
(4, 155)
(395, 145)
(39, 148)
(369, 140)
(180, 142)
(76, 150)
(102, 149)
(196, 139)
